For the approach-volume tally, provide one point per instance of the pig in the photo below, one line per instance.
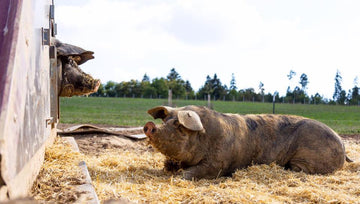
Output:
(72, 80)
(208, 144)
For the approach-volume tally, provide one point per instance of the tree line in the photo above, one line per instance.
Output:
(213, 87)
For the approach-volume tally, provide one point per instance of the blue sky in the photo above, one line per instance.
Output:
(257, 40)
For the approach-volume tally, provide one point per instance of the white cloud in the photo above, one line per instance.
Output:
(255, 40)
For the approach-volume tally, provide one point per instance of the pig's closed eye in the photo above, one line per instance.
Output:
(179, 127)
(176, 123)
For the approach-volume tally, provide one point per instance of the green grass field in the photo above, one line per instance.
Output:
(132, 112)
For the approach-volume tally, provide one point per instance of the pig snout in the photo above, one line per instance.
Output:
(149, 129)
(97, 85)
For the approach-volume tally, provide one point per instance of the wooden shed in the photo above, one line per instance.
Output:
(28, 91)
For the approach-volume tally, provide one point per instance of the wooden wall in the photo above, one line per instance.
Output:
(26, 123)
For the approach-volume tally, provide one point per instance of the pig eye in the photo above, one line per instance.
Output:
(179, 127)
(176, 123)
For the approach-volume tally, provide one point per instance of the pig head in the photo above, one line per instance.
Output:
(208, 144)
(73, 80)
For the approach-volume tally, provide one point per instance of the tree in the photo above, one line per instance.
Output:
(121, 89)
(354, 100)
(233, 88)
(161, 87)
(218, 89)
(173, 75)
(342, 97)
(290, 77)
(348, 97)
(145, 87)
(338, 89)
(206, 88)
(233, 82)
(249, 94)
(175, 83)
(291, 74)
(148, 92)
(132, 88)
(298, 94)
(110, 89)
(289, 95)
(356, 81)
(189, 90)
(135, 88)
(317, 99)
(208, 85)
(146, 78)
(303, 82)
(214, 87)
(261, 89)
(224, 92)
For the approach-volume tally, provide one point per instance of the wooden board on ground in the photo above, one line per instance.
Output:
(92, 129)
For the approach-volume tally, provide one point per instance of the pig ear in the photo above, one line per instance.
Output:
(190, 120)
(159, 112)
(80, 55)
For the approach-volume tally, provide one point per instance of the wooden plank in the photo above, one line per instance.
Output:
(88, 194)
(91, 129)
(21, 184)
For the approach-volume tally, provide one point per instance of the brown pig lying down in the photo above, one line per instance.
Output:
(208, 144)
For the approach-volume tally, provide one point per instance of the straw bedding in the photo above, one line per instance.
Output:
(124, 169)
(59, 174)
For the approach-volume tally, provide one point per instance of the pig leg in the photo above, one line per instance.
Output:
(202, 171)
(172, 165)
(316, 162)
(300, 165)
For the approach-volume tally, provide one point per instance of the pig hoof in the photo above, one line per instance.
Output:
(189, 175)
(171, 165)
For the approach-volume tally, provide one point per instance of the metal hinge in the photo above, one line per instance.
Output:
(45, 36)
(54, 29)
(52, 12)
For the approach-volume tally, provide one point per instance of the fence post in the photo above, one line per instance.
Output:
(274, 104)
(209, 101)
(170, 98)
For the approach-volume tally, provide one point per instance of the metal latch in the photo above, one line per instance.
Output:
(49, 121)
(52, 52)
